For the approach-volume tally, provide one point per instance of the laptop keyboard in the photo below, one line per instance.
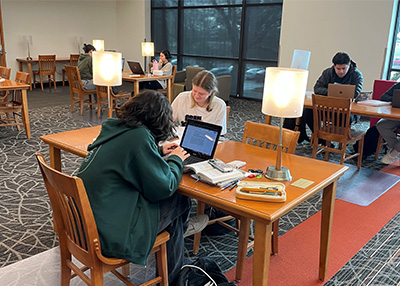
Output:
(192, 160)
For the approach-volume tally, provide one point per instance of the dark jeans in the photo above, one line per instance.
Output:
(150, 85)
(174, 217)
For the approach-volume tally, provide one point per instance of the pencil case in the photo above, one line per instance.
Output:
(261, 191)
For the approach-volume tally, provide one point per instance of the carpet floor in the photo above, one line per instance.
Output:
(25, 212)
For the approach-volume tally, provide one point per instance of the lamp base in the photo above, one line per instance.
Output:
(282, 175)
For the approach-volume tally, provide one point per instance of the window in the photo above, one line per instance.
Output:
(394, 65)
(236, 37)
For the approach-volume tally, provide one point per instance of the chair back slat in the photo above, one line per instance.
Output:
(267, 136)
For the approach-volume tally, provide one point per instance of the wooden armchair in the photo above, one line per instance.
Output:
(332, 124)
(47, 68)
(78, 236)
(73, 61)
(11, 110)
(102, 99)
(77, 91)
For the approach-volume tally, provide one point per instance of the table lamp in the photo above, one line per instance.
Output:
(284, 93)
(28, 41)
(107, 72)
(98, 45)
(147, 51)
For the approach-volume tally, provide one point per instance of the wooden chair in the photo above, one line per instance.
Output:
(5, 73)
(78, 236)
(332, 124)
(77, 91)
(12, 109)
(164, 91)
(264, 136)
(47, 67)
(102, 99)
(73, 61)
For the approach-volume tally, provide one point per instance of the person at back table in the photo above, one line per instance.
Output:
(201, 102)
(343, 71)
(131, 182)
(165, 66)
(388, 129)
(85, 66)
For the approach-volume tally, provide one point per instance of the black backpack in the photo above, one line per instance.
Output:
(190, 275)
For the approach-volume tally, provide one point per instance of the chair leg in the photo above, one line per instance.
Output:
(315, 148)
(125, 270)
(54, 81)
(162, 265)
(343, 154)
(197, 236)
(378, 147)
(360, 150)
(63, 77)
(274, 239)
(80, 105)
(41, 82)
(98, 108)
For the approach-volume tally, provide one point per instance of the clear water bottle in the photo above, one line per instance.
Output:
(155, 65)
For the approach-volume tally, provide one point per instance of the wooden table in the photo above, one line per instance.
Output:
(9, 85)
(137, 79)
(324, 175)
(386, 111)
(22, 61)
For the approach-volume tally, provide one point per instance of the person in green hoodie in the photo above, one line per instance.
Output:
(131, 182)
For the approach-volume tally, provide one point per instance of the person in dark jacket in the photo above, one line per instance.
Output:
(388, 129)
(131, 182)
(343, 71)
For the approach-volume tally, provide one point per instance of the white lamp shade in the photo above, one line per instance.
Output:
(300, 59)
(107, 68)
(147, 49)
(284, 92)
(99, 45)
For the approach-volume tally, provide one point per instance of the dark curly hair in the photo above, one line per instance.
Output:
(151, 109)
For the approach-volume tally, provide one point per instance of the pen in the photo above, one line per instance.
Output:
(229, 184)
(233, 185)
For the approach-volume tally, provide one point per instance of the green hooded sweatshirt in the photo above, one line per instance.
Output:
(125, 177)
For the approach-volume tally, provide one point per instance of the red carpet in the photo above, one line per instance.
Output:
(353, 226)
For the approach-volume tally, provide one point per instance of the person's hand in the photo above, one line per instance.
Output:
(167, 148)
(180, 152)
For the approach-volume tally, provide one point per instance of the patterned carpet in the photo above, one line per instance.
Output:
(25, 212)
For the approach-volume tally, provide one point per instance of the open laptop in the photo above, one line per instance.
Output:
(135, 67)
(341, 90)
(123, 63)
(396, 98)
(200, 139)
